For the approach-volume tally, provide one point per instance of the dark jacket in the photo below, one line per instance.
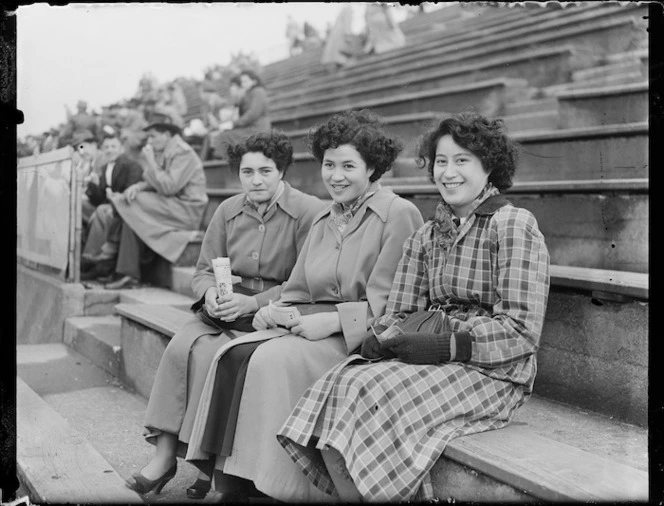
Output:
(125, 173)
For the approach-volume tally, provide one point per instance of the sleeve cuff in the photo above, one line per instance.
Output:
(353, 318)
(265, 297)
(462, 345)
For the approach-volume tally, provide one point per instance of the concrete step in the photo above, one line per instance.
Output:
(625, 103)
(98, 337)
(609, 457)
(79, 433)
(607, 70)
(531, 121)
(181, 280)
(531, 106)
(610, 80)
(56, 463)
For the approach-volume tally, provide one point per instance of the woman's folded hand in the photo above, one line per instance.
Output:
(316, 326)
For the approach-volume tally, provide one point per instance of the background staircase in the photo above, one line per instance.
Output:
(572, 86)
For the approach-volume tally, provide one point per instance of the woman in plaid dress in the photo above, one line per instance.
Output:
(381, 420)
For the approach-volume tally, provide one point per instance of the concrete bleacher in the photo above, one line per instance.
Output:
(574, 93)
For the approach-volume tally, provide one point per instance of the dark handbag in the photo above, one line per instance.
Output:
(428, 321)
(243, 323)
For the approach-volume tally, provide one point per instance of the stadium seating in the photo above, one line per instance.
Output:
(572, 85)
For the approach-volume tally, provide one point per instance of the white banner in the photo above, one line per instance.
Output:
(44, 211)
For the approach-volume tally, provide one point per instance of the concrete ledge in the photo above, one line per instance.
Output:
(42, 306)
(56, 463)
(544, 469)
(98, 339)
(144, 339)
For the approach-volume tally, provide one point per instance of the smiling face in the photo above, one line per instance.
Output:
(458, 174)
(112, 148)
(345, 173)
(259, 176)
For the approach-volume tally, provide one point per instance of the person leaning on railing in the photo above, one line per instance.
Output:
(372, 428)
(261, 230)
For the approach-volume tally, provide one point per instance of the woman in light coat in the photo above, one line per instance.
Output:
(348, 261)
(261, 230)
(372, 431)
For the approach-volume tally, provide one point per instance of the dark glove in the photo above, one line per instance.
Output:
(371, 348)
(431, 349)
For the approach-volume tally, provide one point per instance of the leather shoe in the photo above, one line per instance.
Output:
(123, 282)
(199, 489)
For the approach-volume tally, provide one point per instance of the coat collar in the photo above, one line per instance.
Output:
(379, 203)
(287, 202)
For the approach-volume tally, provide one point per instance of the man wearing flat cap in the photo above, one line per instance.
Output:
(161, 213)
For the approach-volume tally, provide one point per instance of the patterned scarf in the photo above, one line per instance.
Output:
(446, 225)
(343, 213)
(263, 207)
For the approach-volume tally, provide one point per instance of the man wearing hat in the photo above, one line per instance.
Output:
(161, 214)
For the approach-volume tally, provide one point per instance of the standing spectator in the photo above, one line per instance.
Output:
(51, 140)
(311, 37)
(160, 214)
(253, 115)
(383, 32)
(82, 120)
(116, 175)
(294, 36)
(336, 51)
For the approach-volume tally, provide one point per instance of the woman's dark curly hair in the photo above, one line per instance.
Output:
(273, 144)
(485, 138)
(364, 130)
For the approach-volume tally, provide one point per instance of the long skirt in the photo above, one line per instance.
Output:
(179, 381)
(391, 421)
(279, 372)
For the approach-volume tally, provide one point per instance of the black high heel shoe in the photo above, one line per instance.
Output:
(199, 489)
(142, 485)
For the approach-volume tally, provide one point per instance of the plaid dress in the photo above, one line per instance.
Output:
(391, 421)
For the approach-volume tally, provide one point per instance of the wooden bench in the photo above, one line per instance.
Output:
(56, 463)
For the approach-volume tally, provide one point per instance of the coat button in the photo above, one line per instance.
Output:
(261, 228)
(254, 255)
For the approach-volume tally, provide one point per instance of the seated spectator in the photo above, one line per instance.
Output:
(336, 53)
(269, 212)
(294, 36)
(165, 105)
(50, 142)
(160, 214)
(116, 175)
(480, 270)
(88, 162)
(383, 32)
(253, 115)
(345, 269)
(177, 98)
